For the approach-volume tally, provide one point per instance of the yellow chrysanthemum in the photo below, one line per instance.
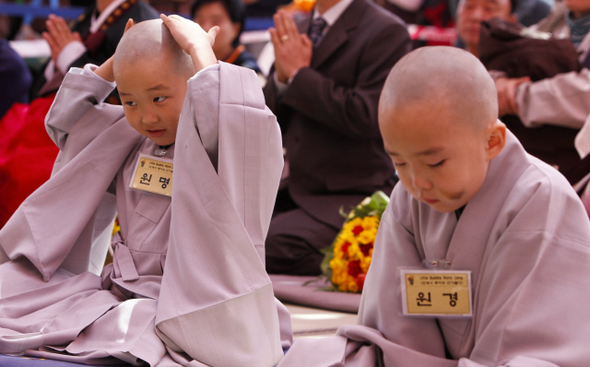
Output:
(353, 287)
(352, 253)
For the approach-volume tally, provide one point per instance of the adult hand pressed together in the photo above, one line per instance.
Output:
(292, 50)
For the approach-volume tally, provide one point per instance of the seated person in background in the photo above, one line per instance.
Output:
(444, 13)
(561, 100)
(470, 14)
(187, 284)
(471, 199)
(92, 38)
(324, 87)
(27, 156)
(15, 78)
(528, 12)
(229, 16)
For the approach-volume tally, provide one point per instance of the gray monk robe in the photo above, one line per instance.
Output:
(526, 238)
(187, 285)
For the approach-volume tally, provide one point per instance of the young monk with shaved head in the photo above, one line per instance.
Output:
(460, 121)
(481, 256)
(191, 163)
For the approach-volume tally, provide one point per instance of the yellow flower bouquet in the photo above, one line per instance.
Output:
(347, 260)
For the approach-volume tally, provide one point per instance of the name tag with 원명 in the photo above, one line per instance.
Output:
(153, 175)
(436, 293)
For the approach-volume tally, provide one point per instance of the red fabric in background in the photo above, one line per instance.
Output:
(26, 153)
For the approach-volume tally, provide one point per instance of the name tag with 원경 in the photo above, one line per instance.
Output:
(153, 175)
(436, 293)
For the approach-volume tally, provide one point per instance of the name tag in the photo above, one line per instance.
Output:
(153, 175)
(436, 292)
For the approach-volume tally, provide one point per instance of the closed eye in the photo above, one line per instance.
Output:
(437, 164)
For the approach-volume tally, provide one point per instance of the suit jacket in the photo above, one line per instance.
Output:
(329, 112)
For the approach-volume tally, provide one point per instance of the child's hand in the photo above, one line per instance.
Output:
(193, 39)
(105, 70)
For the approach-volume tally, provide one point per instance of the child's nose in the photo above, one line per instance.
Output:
(421, 182)
(149, 117)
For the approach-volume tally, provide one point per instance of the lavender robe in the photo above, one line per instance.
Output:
(526, 239)
(187, 285)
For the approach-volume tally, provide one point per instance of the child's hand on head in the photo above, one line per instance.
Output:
(105, 70)
(193, 39)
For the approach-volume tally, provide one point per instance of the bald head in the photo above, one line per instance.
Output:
(446, 76)
(147, 41)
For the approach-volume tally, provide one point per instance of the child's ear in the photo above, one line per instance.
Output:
(496, 139)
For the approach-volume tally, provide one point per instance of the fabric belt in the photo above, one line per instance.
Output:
(122, 256)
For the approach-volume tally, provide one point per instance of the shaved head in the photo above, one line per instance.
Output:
(438, 119)
(149, 40)
(447, 77)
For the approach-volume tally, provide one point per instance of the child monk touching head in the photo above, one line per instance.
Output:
(151, 70)
(191, 164)
(482, 254)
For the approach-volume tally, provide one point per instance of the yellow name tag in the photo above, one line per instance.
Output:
(436, 292)
(153, 175)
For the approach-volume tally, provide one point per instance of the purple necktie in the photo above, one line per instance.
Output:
(317, 27)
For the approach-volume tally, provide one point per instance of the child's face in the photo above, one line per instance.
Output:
(152, 95)
(439, 160)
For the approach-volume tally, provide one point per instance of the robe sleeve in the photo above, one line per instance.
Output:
(216, 302)
(561, 100)
(65, 223)
(78, 108)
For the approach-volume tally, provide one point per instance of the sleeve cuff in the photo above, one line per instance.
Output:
(70, 53)
(88, 70)
(281, 87)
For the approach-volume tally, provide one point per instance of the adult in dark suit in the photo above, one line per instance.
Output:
(325, 95)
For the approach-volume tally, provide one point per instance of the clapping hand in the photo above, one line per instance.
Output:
(58, 35)
(293, 50)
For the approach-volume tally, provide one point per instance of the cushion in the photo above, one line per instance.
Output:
(307, 291)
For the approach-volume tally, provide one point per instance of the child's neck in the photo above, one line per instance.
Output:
(160, 151)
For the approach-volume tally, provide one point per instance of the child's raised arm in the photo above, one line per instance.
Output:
(193, 39)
